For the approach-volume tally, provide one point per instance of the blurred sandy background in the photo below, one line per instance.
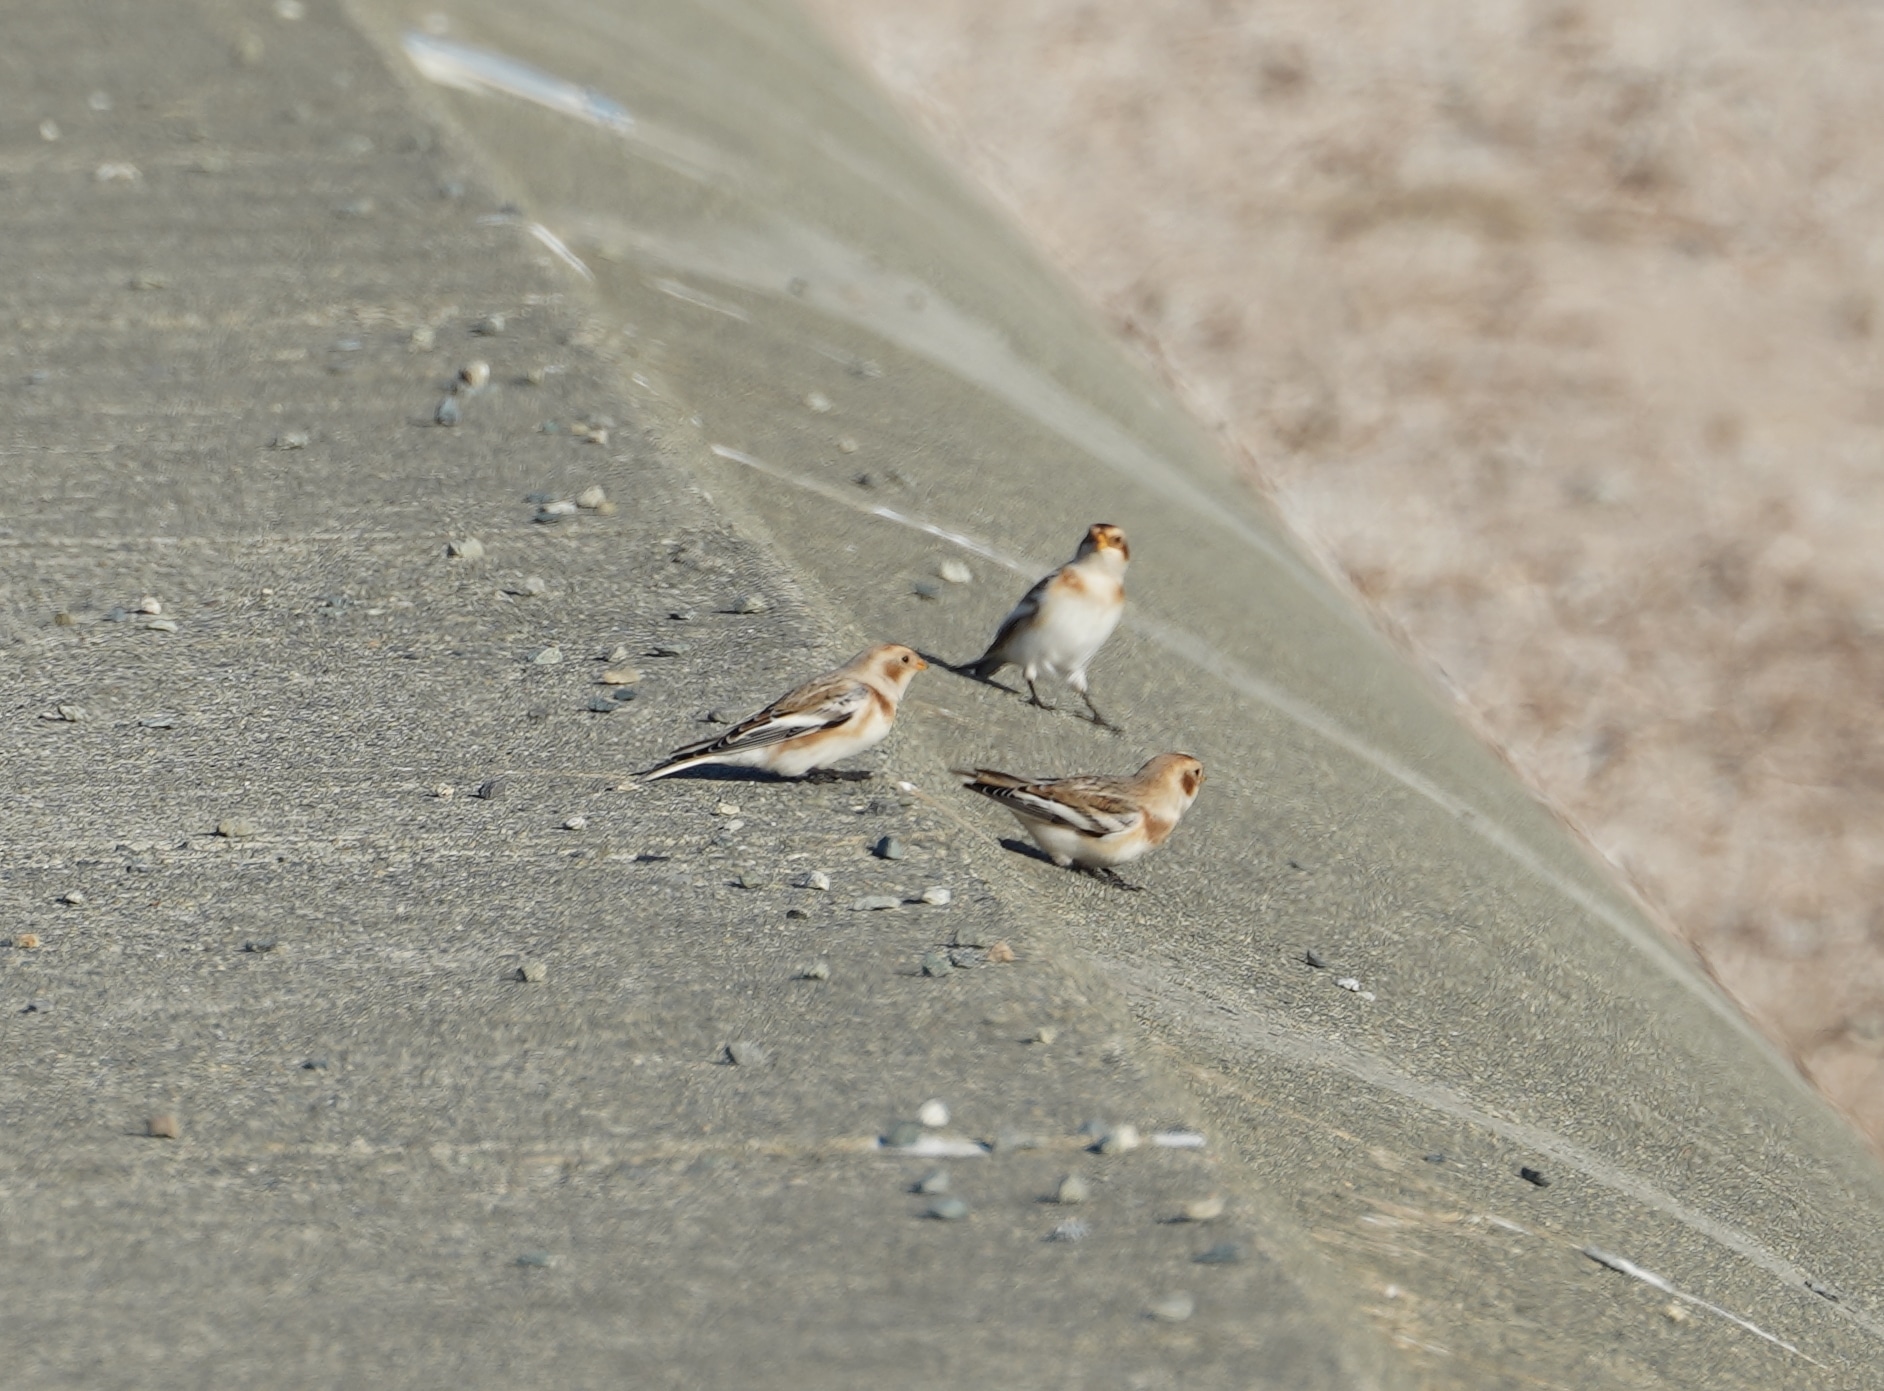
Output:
(1556, 328)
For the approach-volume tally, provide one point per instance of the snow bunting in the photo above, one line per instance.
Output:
(1093, 822)
(840, 713)
(1061, 622)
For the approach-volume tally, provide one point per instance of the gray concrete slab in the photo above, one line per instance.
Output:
(397, 1161)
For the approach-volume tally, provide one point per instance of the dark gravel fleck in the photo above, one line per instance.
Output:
(1535, 1176)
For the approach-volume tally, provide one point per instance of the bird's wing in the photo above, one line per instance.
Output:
(1092, 806)
(820, 704)
(1021, 615)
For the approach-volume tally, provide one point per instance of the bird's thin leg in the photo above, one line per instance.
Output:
(1105, 874)
(1098, 718)
(1033, 695)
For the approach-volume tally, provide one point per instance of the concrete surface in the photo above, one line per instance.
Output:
(397, 1162)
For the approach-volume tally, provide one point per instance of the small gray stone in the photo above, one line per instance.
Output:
(532, 971)
(749, 603)
(936, 963)
(903, 1134)
(491, 789)
(548, 657)
(797, 914)
(603, 705)
(972, 935)
(68, 714)
(1073, 1189)
(447, 412)
(1315, 959)
(889, 848)
(1008, 1140)
(1223, 1253)
(876, 903)
(72, 896)
(681, 615)
(468, 549)
(619, 654)
(292, 439)
(967, 958)
(474, 376)
(591, 498)
(934, 1182)
(668, 649)
(162, 625)
(489, 327)
(937, 896)
(532, 586)
(235, 828)
(621, 695)
(745, 1053)
(1073, 1229)
(817, 970)
(536, 1260)
(163, 719)
(947, 1210)
(1173, 1308)
(577, 822)
(815, 879)
(260, 944)
(926, 589)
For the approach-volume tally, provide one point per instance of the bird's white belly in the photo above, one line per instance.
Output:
(1069, 847)
(1065, 641)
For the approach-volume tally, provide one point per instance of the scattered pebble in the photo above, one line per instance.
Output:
(1045, 1034)
(877, 903)
(73, 897)
(947, 1210)
(590, 498)
(936, 896)
(1825, 1291)
(536, 1260)
(925, 589)
(474, 376)
(1223, 1253)
(936, 964)
(163, 1126)
(1073, 1229)
(955, 572)
(444, 792)
(149, 604)
(797, 915)
(933, 1113)
(726, 809)
(162, 625)
(1073, 1190)
(618, 654)
(49, 130)
(65, 714)
(576, 823)
(1000, 954)
(292, 439)
(604, 705)
(1203, 1209)
(819, 403)
(1436, 1157)
(668, 649)
(1675, 1313)
(489, 327)
(261, 944)
(817, 970)
(745, 1053)
(847, 445)
(235, 828)
(532, 586)
(934, 1182)
(1121, 1140)
(491, 789)
(815, 879)
(1349, 983)
(1534, 1176)
(749, 603)
(26, 941)
(903, 1135)
(548, 657)
(1315, 959)
(889, 848)
(468, 549)
(118, 173)
(533, 972)
(422, 339)
(1173, 1308)
(447, 412)
(1178, 1140)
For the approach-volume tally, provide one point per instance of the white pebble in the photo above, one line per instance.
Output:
(162, 625)
(149, 605)
(548, 657)
(726, 809)
(1349, 983)
(933, 1113)
(72, 896)
(444, 792)
(558, 509)
(118, 174)
(955, 572)
(591, 498)
(49, 130)
(818, 402)
(475, 376)
(575, 823)
(936, 895)
(816, 879)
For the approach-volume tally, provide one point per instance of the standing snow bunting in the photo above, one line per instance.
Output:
(1093, 822)
(840, 713)
(1063, 621)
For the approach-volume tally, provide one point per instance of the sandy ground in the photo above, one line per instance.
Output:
(1553, 327)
